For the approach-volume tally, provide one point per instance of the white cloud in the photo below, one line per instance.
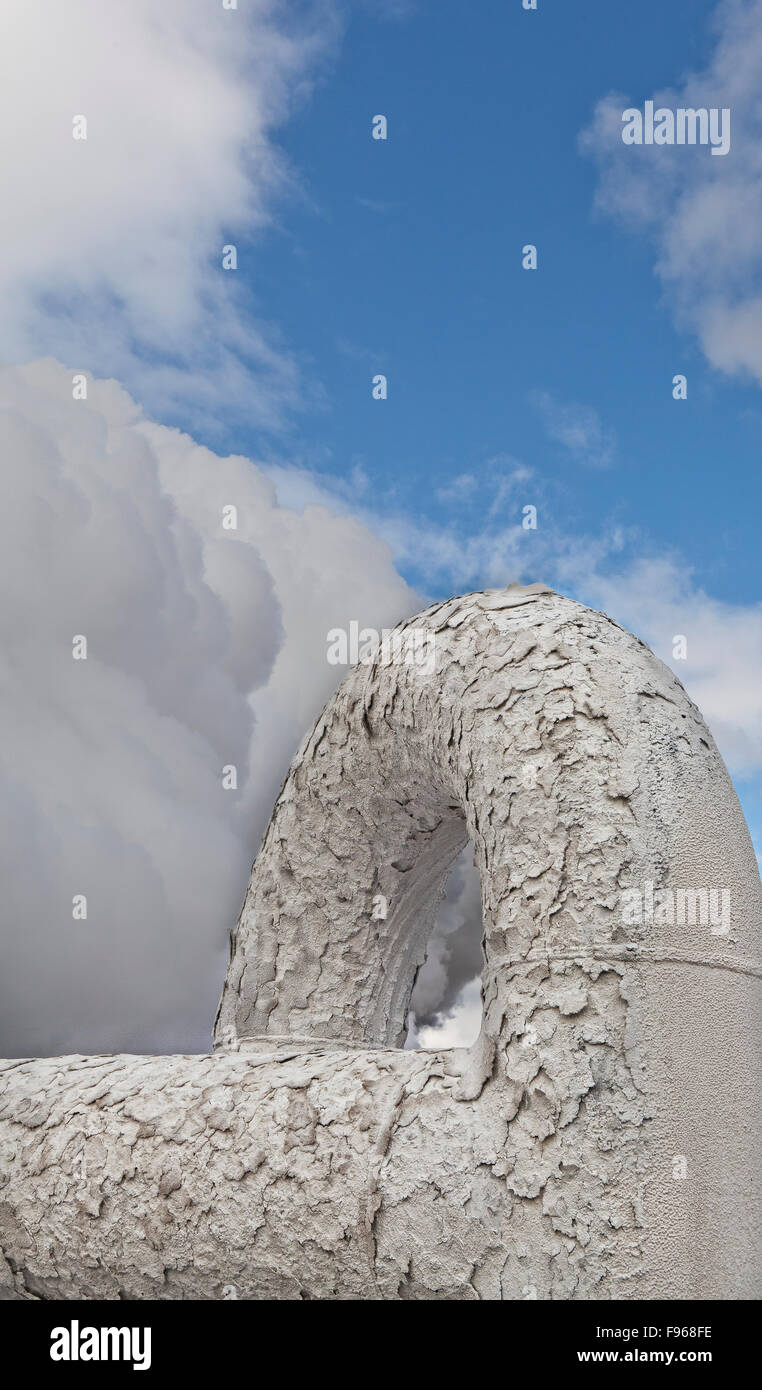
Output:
(702, 213)
(206, 648)
(111, 246)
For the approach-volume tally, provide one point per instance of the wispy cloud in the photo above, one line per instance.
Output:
(577, 428)
(484, 542)
(492, 487)
(462, 487)
(376, 204)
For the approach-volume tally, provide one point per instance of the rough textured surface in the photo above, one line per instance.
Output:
(309, 1157)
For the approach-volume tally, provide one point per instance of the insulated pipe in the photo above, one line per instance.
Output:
(599, 1139)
